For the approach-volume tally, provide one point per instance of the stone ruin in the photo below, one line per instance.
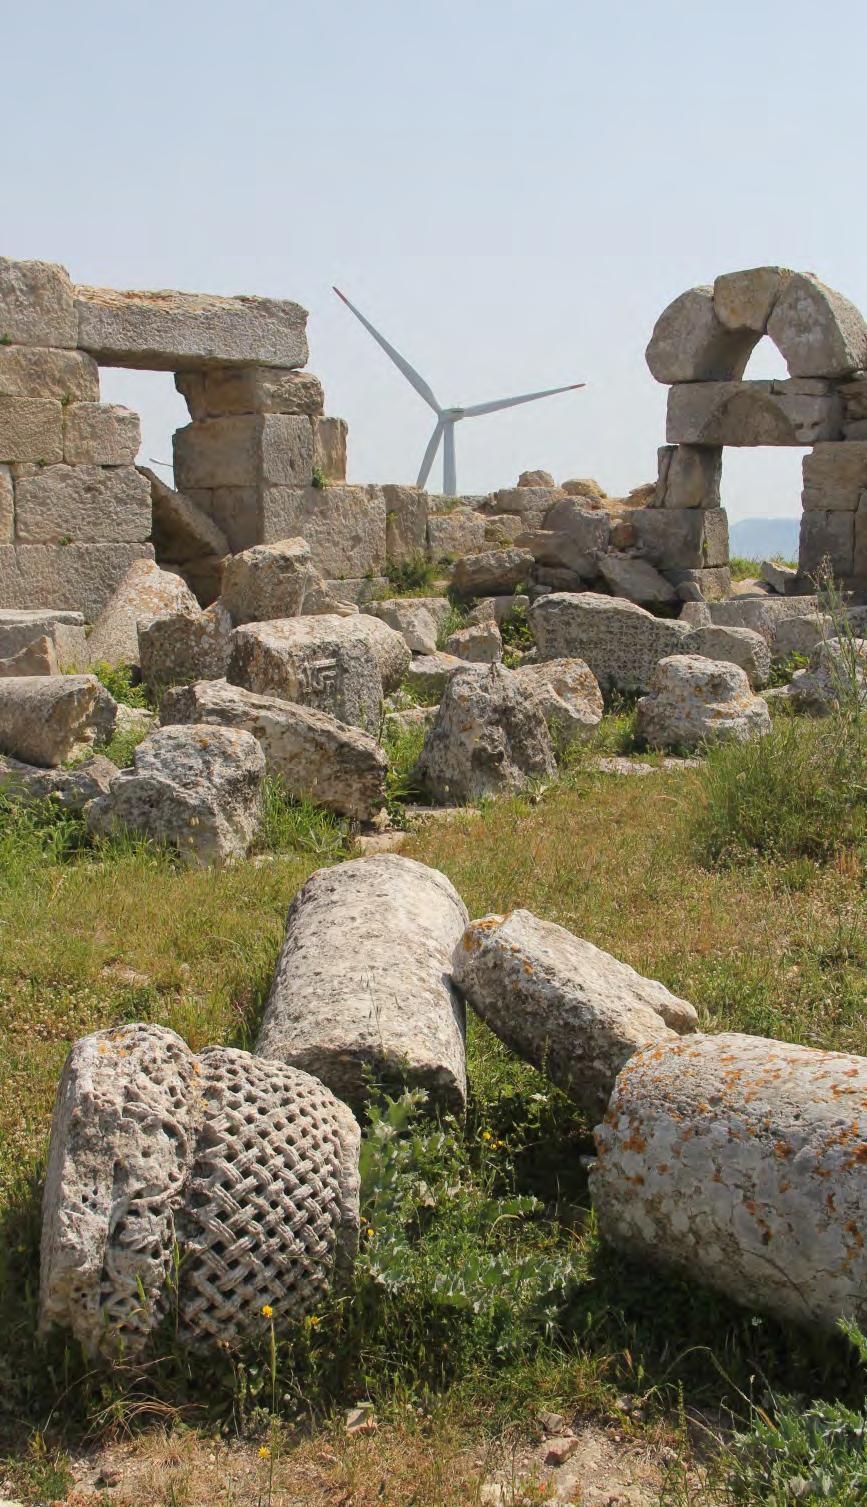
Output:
(259, 462)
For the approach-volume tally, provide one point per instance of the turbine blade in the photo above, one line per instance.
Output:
(450, 472)
(527, 397)
(433, 445)
(400, 362)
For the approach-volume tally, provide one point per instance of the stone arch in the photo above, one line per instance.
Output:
(700, 347)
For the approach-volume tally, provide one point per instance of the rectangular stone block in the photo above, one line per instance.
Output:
(100, 434)
(344, 526)
(171, 331)
(406, 516)
(82, 503)
(7, 506)
(30, 371)
(750, 413)
(834, 477)
(689, 476)
(451, 535)
(79, 577)
(854, 396)
(828, 535)
(686, 538)
(31, 430)
(532, 503)
(859, 561)
(250, 389)
(329, 448)
(20, 629)
(244, 450)
(37, 306)
(715, 582)
(236, 511)
(358, 589)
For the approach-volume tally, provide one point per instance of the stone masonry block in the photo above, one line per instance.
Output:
(751, 413)
(36, 304)
(344, 526)
(244, 450)
(859, 568)
(31, 430)
(236, 511)
(689, 476)
(100, 434)
(250, 389)
(834, 477)
(29, 371)
(170, 331)
(80, 577)
(406, 510)
(830, 536)
(7, 506)
(690, 538)
(82, 503)
(329, 447)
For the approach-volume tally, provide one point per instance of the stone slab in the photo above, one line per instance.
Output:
(80, 577)
(244, 450)
(750, 413)
(30, 371)
(249, 389)
(170, 331)
(83, 503)
(834, 476)
(344, 526)
(100, 434)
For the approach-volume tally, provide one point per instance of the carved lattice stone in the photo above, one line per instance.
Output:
(203, 1186)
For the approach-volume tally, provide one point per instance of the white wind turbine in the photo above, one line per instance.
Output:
(444, 429)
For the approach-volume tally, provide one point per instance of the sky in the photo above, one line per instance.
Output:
(511, 191)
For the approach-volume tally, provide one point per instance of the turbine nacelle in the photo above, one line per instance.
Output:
(444, 429)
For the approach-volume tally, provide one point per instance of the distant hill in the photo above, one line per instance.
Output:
(764, 538)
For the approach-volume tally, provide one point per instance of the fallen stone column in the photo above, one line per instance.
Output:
(362, 984)
(563, 1004)
(742, 1161)
(241, 1175)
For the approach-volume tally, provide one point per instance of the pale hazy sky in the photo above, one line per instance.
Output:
(511, 191)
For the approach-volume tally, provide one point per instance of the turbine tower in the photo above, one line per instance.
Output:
(444, 428)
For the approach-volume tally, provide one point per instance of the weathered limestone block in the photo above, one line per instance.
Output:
(358, 591)
(7, 506)
(451, 535)
(479, 644)
(738, 646)
(194, 788)
(19, 630)
(103, 504)
(568, 694)
(584, 486)
(488, 738)
(344, 525)
(779, 577)
(29, 371)
(78, 577)
(412, 619)
(36, 304)
(689, 476)
(536, 479)
(145, 593)
(271, 581)
(532, 504)
(818, 332)
(834, 476)
(502, 529)
(859, 551)
(70, 789)
(429, 674)
(144, 1182)
(31, 430)
(236, 511)
(316, 661)
(180, 530)
(493, 572)
(835, 676)
(244, 450)
(362, 985)
(329, 448)
(170, 331)
(100, 434)
(562, 1004)
(769, 616)
(185, 646)
(751, 413)
(686, 538)
(38, 658)
(694, 700)
(496, 609)
(691, 344)
(827, 538)
(211, 393)
(45, 719)
(742, 1161)
(406, 518)
(636, 579)
(621, 643)
(317, 757)
(745, 300)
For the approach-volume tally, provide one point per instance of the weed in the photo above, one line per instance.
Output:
(318, 479)
(403, 743)
(743, 569)
(411, 574)
(290, 825)
(117, 680)
(515, 629)
(457, 618)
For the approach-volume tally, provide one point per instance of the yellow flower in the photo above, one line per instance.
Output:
(369, 1233)
(486, 1135)
(313, 1320)
(264, 1452)
(267, 1311)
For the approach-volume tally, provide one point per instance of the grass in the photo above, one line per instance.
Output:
(415, 574)
(484, 1292)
